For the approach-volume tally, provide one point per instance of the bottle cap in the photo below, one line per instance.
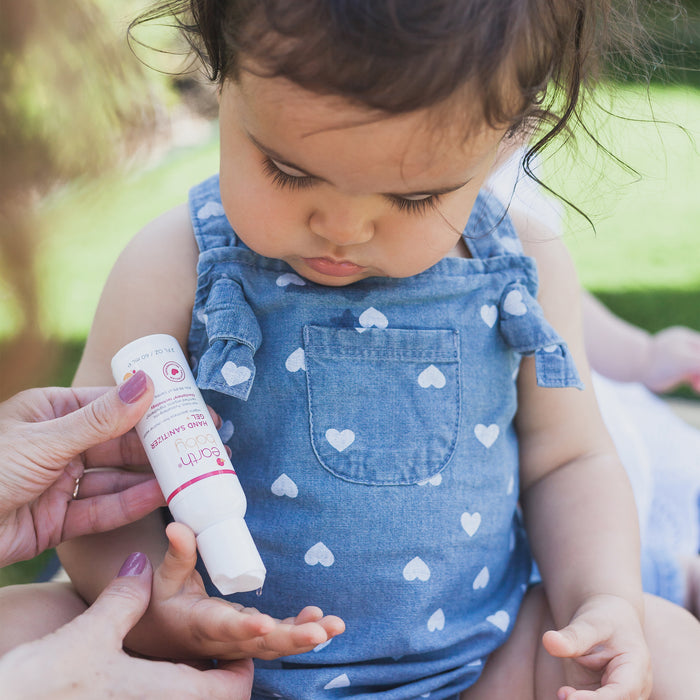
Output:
(231, 557)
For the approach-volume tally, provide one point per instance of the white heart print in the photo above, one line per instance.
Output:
(416, 569)
(235, 374)
(500, 619)
(209, 210)
(319, 554)
(371, 318)
(514, 304)
(486, 434)
(340, 439)
(433, 481)
(296, 361)
(431, 376)
(341, 681)
(489, 314)
(290, 278)
(482, 579)
(470, 522)
(436, 621)
(284, 486)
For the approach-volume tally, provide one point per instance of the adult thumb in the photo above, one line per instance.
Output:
(122, 604)
(108, 416)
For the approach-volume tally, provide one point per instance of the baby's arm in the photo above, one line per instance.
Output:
(151, 290)
(578, 505)
(626, 353)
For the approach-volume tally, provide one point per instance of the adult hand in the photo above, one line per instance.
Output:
(48, 438)
(85, 660)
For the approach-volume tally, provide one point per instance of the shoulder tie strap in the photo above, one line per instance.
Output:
(234, 336)
(524, 327)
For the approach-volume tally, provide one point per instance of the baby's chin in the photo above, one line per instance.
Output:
(331, 281)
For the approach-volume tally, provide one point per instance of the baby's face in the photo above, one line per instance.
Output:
(341, 193)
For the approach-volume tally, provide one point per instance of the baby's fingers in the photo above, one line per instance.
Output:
(179, 562)
(310, 613)
(285, 640)
(577, 639)
(606, 693)
(219, 621)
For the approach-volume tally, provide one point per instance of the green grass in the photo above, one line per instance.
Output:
(87, 224)
(648, 230)
(642, 259)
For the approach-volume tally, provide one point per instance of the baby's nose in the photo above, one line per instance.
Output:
(342, 225)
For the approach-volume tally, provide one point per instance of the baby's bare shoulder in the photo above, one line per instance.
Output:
(149, 290)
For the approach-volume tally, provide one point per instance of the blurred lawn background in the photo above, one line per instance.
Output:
(642, 258)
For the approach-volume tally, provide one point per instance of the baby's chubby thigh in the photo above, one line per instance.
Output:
(522, 665)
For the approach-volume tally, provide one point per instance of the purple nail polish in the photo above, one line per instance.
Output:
(132, 389)
(134, 564)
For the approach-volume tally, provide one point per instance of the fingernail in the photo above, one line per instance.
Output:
(132, 389)
(134, 564)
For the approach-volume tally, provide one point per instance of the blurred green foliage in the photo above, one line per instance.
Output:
(73, 99)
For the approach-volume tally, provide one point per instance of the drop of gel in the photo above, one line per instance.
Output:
(259, 592)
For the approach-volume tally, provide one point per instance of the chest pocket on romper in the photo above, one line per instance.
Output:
(384, 404)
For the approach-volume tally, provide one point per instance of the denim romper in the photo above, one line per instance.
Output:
(371, 428)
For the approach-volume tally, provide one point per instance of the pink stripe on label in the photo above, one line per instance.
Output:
(195, 480)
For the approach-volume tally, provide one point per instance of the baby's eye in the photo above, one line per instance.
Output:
(285, 177)
(415, 204)
(287, 169)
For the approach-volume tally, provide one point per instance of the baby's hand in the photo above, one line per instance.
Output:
(674, 358)
(183, 622)
(608, 652)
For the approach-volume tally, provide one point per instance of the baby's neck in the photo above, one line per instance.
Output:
(460, 250)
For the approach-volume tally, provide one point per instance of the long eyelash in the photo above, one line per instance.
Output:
(284, 181)
(415, 206)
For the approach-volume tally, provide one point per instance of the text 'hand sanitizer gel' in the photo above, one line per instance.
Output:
(191, 465)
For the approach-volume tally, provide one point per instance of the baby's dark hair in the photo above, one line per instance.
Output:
(525, 63)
